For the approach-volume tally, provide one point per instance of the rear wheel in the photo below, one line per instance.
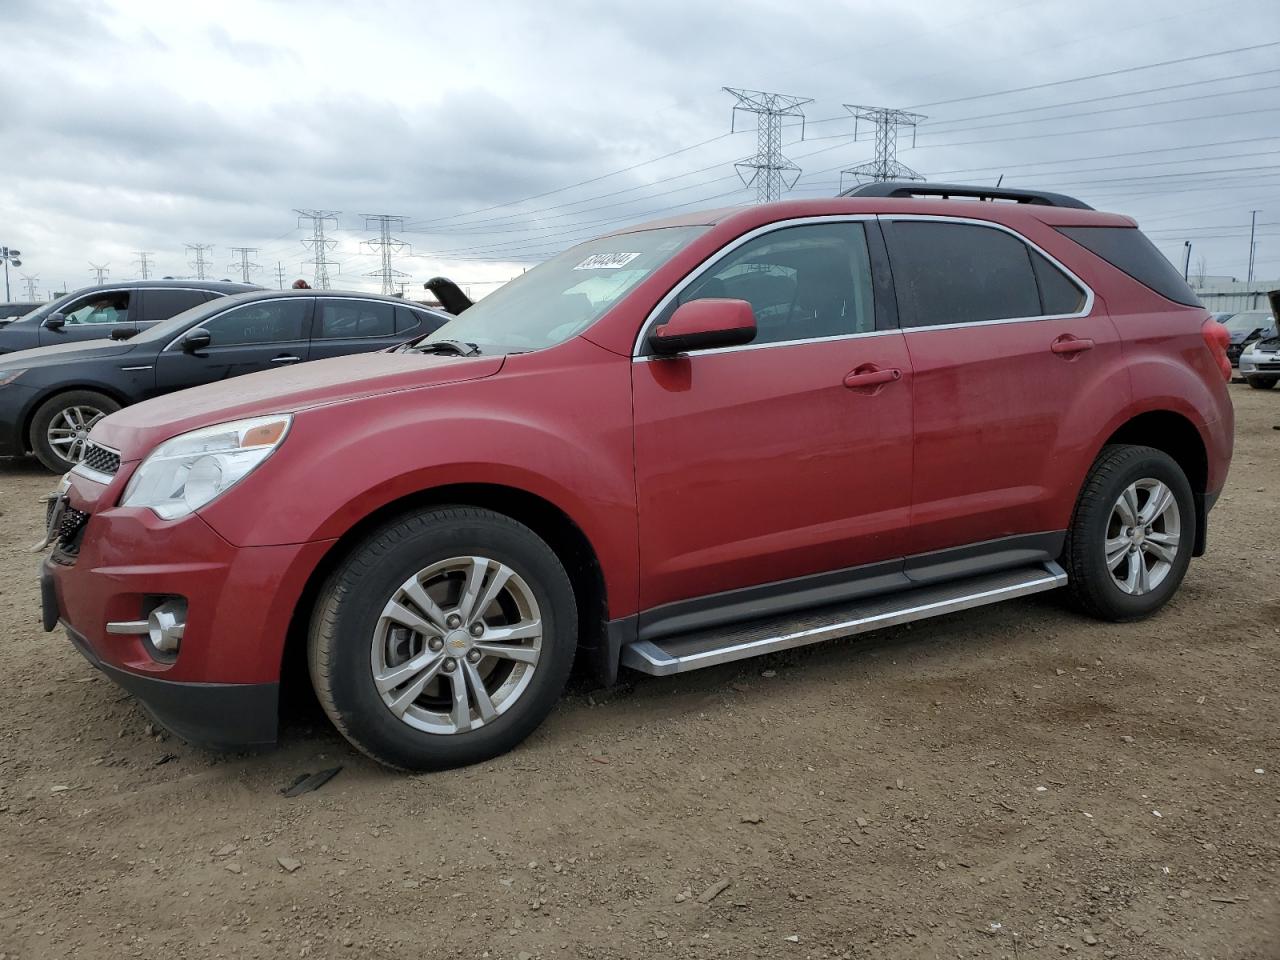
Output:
(60, 428)
(443, 639)
(1262, 383)
(1130, 540)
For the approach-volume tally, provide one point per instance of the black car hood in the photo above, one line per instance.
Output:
(64, 353)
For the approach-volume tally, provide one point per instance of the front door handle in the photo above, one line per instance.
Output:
(286, 358)
(1067, 345)
(870, 375)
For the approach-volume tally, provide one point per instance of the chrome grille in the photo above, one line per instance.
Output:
(101, 459)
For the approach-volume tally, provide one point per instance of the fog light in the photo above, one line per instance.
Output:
(164, 626)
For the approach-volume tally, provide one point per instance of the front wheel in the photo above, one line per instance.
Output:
(1131, 537)
(60, 428)
(1262, 383)
(443, 639)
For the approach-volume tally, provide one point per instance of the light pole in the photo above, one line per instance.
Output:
(9, 256)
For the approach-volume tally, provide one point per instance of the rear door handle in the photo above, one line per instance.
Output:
(870, 376)
(287, 358)
(1066, 345)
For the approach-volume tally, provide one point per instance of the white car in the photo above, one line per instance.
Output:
(1260, 363)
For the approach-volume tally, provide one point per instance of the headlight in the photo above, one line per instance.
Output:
(8, 376)
(185, 473)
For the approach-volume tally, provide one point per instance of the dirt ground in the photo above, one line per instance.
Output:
(1010, 782)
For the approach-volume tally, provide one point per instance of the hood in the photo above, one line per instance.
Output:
(62, 353)
(136, 429)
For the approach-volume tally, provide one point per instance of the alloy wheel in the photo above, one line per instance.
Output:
(456, 645)
(1143, 536)
(68, 433)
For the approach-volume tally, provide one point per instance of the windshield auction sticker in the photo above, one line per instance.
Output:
(606, 261)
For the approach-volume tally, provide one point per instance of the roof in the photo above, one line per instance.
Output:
(259, 293)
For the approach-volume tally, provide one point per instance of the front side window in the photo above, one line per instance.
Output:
(803, 283)
(960, 273)
(99, 308)
(565, 295)
(342, 319)
(271, 321)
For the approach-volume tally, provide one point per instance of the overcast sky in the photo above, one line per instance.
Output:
(138, 125)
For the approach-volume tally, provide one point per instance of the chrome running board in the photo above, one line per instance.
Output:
(706, 648)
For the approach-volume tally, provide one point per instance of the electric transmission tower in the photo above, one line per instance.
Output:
(244, 264)
(200, 264)
(888, 122)
(387, 246)
(31, 285)
(280, 273)
(772, 172)
(319, 244)
(101, 271)
(144, 264)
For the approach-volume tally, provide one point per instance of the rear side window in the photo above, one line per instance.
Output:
(1128, 249)
(350, 319)
(160, 305)
(960, 273)
(1059, 294)
(408, 321)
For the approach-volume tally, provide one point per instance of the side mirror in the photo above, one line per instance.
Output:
(195, 340)
(703, 324)
(55, 321)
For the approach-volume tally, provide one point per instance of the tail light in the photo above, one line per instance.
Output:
(1217, 339)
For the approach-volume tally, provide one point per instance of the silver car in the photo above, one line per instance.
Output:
(1260, 363)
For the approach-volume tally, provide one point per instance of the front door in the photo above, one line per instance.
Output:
(261, 335)
(1004, 346)
(784, 457)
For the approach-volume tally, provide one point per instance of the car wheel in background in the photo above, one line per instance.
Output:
(1262, 383)
(1132, 533)
(61, 426)
(443, 639)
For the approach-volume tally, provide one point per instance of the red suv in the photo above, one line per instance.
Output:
(686, 443)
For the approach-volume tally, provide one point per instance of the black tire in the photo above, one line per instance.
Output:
(350, 605)
(1262, 383)
(54, 408)
(1084, 556)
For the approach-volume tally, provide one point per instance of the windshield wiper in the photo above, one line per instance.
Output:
(457, 348)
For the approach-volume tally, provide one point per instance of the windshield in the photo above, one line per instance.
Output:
(560, 298)
(1244, 324)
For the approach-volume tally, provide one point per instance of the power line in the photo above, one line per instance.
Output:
(244, 264)
(771, 168)
(144, 264)
(885, 166)
(200, 264)
(100, 271)
(387, 246)
(319, 244)
(1096, 76)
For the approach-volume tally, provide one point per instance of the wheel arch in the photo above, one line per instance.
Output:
(560, 531)
(1176, 435)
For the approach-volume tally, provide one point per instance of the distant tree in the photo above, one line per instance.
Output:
(1201, 271)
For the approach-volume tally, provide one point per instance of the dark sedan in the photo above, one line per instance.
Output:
(117, 310)
(51, 397)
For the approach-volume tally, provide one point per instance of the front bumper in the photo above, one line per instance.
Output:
(221, 689)
(1260, 365)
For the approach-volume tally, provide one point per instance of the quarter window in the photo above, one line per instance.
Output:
(99, 308)
(1059, 294)
(803, 282)
(350, 319)
(960, 273)
(274, 321)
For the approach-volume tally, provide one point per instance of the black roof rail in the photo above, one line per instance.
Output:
(907, 188)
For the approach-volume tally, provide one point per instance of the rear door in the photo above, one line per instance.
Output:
(1005, 344)
(93, 317)
(260, 335)
(343, 326)
(160, 303)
